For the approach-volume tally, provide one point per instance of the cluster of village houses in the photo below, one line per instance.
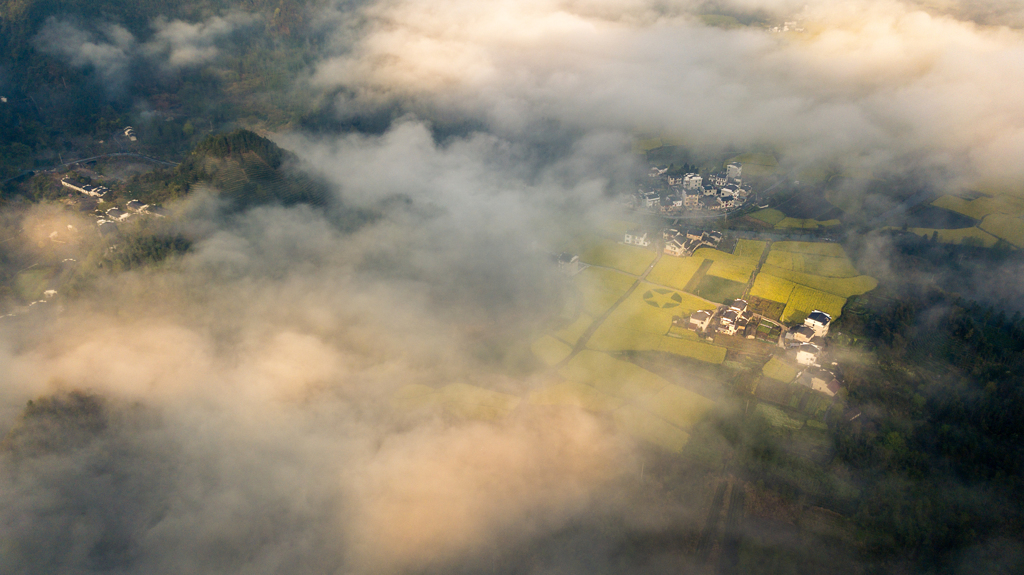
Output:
(677, 243)
(806, 342)
(107, 223)
(673, 194)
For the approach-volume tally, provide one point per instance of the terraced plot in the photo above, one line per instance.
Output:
(677, 405)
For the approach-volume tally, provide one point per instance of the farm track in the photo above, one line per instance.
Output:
(757, 270)
(698, 276)
(709, 534)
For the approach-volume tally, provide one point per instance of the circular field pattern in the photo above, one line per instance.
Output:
(662, 298)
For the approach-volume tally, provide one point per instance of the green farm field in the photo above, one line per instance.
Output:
(814, 248)
(1005, 227)
(804, 300)
(747, 264)
(844, 287)
(778, 370)
(719, 290)
(770, 287)
(550, 350)
(749, 249)
(982, 207)
(732, 272)
(460, 400)
(677, 405)
(606, 253)
(819, 265)
(571, 333)
(611, 376)
(575, 394)
(805, 223)
(600, 288)
(675, 272)
(648, 427)
(769, 216)
(958, 236)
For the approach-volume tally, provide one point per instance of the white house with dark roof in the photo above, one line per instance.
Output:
(799, 334)
(819, 322)
(820, 379)
(699, 320)
(568, 263)
(692, 182)
(734, 171)
(637, 237)
(807, 354)
(675, 248)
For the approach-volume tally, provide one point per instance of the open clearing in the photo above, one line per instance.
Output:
(749, 249)
(630, 259)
